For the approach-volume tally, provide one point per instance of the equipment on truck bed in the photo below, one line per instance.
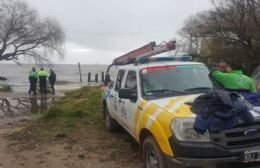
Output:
(145, 51)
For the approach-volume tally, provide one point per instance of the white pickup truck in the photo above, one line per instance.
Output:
(152, 102)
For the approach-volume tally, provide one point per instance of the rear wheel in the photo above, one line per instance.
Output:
(111, 124)
(152, 155)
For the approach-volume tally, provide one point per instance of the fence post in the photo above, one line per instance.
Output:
(80, 75)
(89, 77)
(96, 78)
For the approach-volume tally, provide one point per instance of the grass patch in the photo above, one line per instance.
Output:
(83, 104)
(5, 88)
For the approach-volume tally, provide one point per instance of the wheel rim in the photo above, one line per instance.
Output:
(151, 158)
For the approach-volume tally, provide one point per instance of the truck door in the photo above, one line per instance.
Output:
(128, 107)
(115, 104)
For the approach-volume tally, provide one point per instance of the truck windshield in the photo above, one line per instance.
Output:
(165, 81)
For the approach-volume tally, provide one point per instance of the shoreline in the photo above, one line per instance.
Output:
(18, 105)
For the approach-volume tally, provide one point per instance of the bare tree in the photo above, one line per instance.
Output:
(24, 33)
(232, 29)
(236, 22)
(195, 28)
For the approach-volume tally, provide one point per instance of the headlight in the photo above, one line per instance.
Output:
(183, 130)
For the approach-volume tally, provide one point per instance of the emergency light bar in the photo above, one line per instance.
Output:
(143, 60)
(145, 51)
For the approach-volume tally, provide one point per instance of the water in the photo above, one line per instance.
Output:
(67, 74)
(18, 104)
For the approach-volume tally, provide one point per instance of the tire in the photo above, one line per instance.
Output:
(152, 155)
(111, 124)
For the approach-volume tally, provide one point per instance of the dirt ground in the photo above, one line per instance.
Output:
(25, 143)
(99, 151)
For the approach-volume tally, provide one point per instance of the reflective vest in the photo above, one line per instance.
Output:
(43, 73)
(33, 75)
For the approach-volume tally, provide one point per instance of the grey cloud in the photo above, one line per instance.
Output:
(116, 26)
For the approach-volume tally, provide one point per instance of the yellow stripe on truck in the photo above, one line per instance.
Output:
(137, 113)
(158, 120)
(161, 138)
(160, 127)
(183, 111)
(181, 108)
(172, 102)
(181, 101)
(144, 117)
(165, 120)
(159, 110)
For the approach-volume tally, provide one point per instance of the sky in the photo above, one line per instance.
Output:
(97, 31)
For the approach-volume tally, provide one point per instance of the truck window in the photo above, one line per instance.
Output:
(119, 79)
(131, 82)
(165, 81)
(110, 76)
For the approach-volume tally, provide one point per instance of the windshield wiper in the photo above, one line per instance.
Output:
(165, 91)
(198, 89)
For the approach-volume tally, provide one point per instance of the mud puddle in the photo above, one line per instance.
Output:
(15, 108)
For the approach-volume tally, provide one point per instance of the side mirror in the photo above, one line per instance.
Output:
(127, 94)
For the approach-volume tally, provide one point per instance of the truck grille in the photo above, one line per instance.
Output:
(242, 136)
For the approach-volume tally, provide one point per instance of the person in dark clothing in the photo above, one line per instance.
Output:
(43, 75)
(33, 78)
(52, 80)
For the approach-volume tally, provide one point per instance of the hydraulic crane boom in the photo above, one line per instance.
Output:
(145, 51)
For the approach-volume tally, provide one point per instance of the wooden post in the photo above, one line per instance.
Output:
(89, 77)
(96, 78)
(80, 75)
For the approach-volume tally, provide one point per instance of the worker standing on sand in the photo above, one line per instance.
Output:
(52, 80)
(231, 78)
(43, 75)
(33, 78)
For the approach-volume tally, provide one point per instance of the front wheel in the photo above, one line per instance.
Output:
(152, 155)
(111, 124)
